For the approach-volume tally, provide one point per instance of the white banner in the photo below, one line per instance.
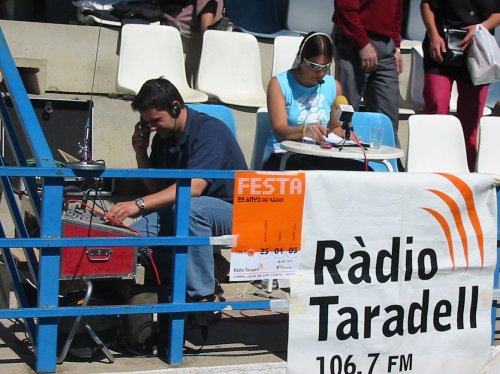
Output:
(396, 274)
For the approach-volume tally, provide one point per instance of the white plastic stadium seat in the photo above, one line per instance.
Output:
(230, 68)
(153, 51)
(284, 52)
(488, 154)
(454, 98)
(436, 144)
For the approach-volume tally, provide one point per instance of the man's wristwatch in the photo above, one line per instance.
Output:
(140, 203)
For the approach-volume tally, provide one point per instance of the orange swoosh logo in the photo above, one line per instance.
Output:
(447, 232)
(470, 205)
(455, 211)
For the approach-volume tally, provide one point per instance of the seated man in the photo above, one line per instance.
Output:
(184, 139)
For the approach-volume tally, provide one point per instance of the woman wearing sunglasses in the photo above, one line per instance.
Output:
(300, 104)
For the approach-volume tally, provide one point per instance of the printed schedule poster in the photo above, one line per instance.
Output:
(267, 220)
(396, 274)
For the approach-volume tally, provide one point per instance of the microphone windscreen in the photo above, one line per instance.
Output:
(321, 81)
(340, 100)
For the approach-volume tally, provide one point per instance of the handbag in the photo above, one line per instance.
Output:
(483, 57)
(454, 55)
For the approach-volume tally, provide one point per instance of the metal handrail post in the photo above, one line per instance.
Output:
(48, 290)
(175, 350)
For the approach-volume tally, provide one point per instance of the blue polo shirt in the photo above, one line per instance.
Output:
(206, 144)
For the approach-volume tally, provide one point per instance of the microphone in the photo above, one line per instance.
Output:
(344, 113)
(321, 81)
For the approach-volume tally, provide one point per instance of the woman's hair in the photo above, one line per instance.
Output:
(159, 94)
(315, 44)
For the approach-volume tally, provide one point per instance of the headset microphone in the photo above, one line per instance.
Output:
(344, 113)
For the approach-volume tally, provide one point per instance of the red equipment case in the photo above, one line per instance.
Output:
(95, 262)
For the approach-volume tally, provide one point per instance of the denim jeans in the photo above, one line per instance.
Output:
(209, 216)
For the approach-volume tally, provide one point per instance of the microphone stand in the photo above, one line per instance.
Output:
(86, 162)
(347, 127)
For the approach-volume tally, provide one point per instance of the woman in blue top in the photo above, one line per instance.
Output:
(300, 102)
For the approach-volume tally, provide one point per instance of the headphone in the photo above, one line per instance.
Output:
(298, 59)
(175, 109)
(175, 106)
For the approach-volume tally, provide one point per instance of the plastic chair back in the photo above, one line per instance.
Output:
(230, 68)
(262, 134)
(363, 121)
(305, 16)
(488, 154)
(416, 81)
(454, 100)
(153, 51)
(284, 52)
(493, 92)
(415, 28)
(436, 144)
(221, 112)
(256, 17)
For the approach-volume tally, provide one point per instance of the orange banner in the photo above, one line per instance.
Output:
(267, 215)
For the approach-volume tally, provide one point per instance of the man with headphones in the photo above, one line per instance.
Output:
(184, 139)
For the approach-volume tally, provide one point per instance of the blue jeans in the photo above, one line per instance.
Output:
(209, 216)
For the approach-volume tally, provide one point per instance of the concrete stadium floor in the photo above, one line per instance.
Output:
(241, 342)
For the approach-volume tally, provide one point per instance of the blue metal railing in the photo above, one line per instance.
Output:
(50, 242)
(48, 210)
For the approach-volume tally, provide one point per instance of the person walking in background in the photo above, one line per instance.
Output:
(440, 73)
(368, 61)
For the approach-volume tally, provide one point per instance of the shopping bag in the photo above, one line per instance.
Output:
(483, 57)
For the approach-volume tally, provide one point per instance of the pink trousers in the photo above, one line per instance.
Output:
(470, 105)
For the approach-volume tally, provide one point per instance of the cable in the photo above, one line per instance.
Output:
(149, 253)
(362, 149)
(106, 216)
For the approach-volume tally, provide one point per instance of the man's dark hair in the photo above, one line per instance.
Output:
(159, 94)
(315, 44)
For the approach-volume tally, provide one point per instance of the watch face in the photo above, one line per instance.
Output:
(140, 203)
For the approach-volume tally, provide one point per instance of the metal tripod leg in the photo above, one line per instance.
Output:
(76, 324)
(99, 343)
